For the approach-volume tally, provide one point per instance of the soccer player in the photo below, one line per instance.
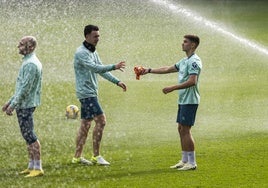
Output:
(25, 100)
(189, 69)
(87, 65)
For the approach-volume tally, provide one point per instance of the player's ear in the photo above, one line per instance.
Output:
(193, 45)
(31, 48)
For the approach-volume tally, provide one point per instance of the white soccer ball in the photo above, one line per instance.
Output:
(72, 112)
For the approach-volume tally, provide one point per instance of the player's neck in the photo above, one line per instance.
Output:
(190, 53)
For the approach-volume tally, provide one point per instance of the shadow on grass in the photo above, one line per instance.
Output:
(68, 174)
(102, 172)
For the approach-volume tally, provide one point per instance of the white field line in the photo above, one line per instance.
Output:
(179, 9)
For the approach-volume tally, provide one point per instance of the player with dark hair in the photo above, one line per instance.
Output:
(189, 69)
(87, 65)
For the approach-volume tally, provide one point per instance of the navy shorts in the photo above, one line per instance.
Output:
(90, 108)
(186, 114)
(25, 119)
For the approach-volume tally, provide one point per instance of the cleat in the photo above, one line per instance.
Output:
(188, 166)
(26, 171)
(35, 173)
(99, 160)
(180, 164)
(81, 160)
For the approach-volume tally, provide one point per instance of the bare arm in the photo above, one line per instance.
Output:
(190, 82)
(161, 70)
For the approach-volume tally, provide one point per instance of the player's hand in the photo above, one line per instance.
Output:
(139, 70)
(167, 90)
(120, 66)
(9, 111)
(4, 107)
(122, 85)
(145, 71)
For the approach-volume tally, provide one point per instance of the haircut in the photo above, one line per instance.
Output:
(89, 28)
(30, 42)
(193, 38)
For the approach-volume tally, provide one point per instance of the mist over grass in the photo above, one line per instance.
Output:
(141, 139)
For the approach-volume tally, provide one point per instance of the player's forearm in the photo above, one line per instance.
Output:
(188, 83)
(108, 76)
(162, 70)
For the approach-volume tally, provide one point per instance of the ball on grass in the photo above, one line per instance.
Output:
(72, 112)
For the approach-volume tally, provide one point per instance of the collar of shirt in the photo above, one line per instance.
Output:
(27, 56)
(89, 46)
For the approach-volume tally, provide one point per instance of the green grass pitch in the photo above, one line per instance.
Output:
(141, 139)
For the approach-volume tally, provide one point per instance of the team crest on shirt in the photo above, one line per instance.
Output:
(194, 65)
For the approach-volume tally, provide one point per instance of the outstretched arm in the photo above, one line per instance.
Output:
(161, 70)
(90, 63)
(113, 79)
(121, 65)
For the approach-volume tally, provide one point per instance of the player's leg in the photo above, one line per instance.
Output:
(34, 142)
(86, 119)
(186, 120)
(82, 137)
(22, 120)
(31, 158)
(25, 118)
(100, 121)
(184, 153)
(38, 170)
(188, 146)
(80, 142)
(187, 141)
(94, 111)
(36, 147)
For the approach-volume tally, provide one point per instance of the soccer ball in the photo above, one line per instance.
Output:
(72, 112)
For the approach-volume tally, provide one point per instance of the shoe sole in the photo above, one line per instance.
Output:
(24, 173)
(37, 175)
(181, 169)
(98, 164)
(85, 164)
(175, 167)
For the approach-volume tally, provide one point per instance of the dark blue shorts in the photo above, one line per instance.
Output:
(25, 119)
(90, 108)
(186, 114)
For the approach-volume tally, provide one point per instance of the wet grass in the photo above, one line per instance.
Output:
(141, 139)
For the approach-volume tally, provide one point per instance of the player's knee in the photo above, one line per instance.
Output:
(101, 123)
(100, 120)
(29, 137)
(86, 123)
(184, 129)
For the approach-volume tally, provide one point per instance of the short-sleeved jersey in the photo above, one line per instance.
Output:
(186, 67)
